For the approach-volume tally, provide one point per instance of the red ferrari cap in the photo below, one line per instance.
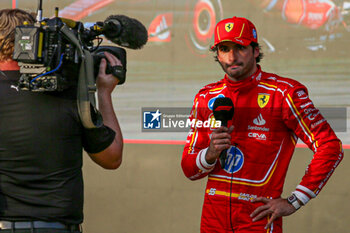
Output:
(237, 29)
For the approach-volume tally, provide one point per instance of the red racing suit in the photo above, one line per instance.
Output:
(270, 114)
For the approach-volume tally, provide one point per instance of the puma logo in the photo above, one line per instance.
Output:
(14, 87)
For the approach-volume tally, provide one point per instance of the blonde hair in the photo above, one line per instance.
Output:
(9, 19)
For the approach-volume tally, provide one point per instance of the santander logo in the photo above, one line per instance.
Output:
(259, 120)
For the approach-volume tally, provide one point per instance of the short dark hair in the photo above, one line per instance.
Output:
(261, 54)
(253, 44)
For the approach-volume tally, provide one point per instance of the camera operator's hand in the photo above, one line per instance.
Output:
(111, 157)
(107, 82)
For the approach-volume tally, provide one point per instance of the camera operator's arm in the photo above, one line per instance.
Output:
(111, 157)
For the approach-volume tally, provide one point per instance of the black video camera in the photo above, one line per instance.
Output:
(50, 52)
(56, 54)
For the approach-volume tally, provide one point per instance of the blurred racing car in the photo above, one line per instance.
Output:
(312, 24)
(283, 25)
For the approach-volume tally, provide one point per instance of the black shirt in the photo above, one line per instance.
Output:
(41, 141)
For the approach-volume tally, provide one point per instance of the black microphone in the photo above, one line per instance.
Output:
(125, 31)
(223, 111)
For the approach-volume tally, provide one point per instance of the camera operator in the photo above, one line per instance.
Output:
(41, 142)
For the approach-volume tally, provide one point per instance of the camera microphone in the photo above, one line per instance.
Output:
(125, 31)
(223, 111)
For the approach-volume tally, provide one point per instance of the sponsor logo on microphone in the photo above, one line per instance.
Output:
(223, 108)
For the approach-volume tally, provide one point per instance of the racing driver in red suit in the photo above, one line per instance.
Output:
(270, 114)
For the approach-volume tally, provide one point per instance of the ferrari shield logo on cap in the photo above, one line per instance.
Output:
(263, 99)
(228, 27)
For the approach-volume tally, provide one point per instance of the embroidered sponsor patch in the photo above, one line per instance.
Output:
(234, 161)
(212, 100)
(263, 99)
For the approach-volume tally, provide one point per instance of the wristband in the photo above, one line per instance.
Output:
(294, 201)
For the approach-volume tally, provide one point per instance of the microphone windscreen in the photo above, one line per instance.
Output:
(223, 109)
(133, 33)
